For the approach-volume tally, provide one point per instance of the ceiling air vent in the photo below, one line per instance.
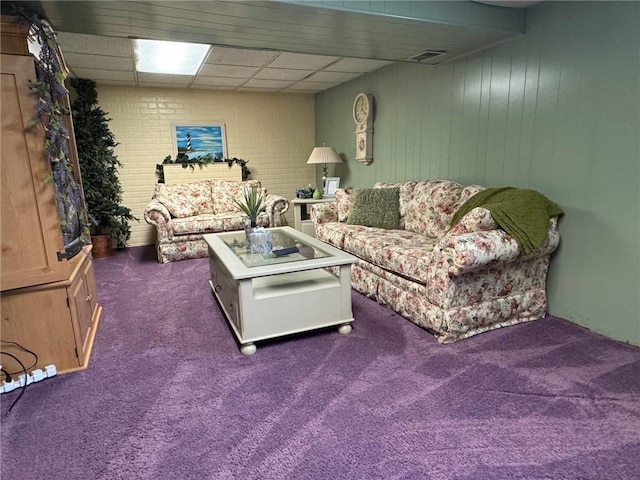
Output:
(426, 55)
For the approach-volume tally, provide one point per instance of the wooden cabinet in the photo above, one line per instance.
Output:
(48, 303)
(30, 228)
(56, 320)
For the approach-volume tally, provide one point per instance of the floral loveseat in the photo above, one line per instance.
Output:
(183, 213)
(453, 281)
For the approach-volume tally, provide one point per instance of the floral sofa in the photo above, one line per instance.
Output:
(183, 213)
(453, 281)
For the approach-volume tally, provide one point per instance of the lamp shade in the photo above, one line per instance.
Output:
(324, 155)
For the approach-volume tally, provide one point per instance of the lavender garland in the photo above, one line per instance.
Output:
(49, 114)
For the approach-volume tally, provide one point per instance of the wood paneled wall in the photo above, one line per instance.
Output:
(556, 110)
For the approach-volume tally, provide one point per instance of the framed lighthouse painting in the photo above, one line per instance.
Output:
(199, 139)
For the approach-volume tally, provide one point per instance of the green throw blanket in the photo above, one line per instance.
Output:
(523, 214)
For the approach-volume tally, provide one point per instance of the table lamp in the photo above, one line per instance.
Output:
(324, 155)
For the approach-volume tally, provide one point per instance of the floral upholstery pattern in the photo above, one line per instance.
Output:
(454, 282)
(344, 202)
(476, 220)
(194, 198)
(432, 206)
(406, 253)
(226, 193)
(212, 207)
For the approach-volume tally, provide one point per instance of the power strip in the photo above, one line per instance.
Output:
(33, 377)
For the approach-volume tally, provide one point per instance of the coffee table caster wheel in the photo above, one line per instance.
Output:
(248, 349)
(344, 329)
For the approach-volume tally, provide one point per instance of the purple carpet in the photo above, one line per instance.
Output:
(169, 396)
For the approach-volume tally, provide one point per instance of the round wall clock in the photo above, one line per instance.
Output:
(362, 109)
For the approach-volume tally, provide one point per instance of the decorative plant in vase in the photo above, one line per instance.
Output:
(251, 205)
(258, 238)
(99, 166)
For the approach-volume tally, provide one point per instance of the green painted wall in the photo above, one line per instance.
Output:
(556, 110)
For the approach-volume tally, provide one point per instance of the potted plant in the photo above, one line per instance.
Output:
(99, 169)
(258, 239)
(251, 205)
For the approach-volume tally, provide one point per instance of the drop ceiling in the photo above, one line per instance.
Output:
(272, 46)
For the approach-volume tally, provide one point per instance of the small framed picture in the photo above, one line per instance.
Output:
(198, 139)
(331, 185)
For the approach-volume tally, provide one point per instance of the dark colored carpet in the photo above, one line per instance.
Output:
(169, 396)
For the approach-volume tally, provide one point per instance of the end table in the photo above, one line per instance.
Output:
(301, 215)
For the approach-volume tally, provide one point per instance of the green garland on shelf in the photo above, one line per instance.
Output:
(200, 160)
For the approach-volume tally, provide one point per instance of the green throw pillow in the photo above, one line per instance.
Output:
(376, 207)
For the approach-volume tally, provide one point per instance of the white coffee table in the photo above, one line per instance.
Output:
(265, 296)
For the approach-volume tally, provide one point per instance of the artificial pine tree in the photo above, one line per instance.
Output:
(99, 165)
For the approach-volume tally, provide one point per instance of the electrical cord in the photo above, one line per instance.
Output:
(7, 375)
(24, 387)
(35, 362)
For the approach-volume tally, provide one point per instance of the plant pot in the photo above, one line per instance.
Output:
(258, 239)
(102, 246)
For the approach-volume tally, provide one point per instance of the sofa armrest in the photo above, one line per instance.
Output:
(476, 220)
(323, 212)
(276, 206)
(475, 250)
(157, 214)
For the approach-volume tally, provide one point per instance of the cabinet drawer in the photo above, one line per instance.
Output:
(225, 289)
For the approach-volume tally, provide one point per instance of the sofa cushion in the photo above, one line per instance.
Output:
(179, 206)
(406, 253)
(406, 194)
(334, 233)
(225, 193)
(199, 194)
(212, 223)
(205, 223)
(468, 192)
(477, 220)
(433, 204)
(344, 202)
(186, 199)
(376, 207)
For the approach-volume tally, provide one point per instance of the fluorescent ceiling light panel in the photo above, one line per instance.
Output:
(175, 58)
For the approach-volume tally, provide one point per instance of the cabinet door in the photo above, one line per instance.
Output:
(82, 306)
(30, 226)
(92, 289)
(40, 320)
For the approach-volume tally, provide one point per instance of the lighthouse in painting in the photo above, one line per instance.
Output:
(200, 140)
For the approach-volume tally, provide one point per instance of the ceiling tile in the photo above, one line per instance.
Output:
(94, 44)
(332, 77)
(318, 86)
(358, 65)
(218, 81)
(300, 88)
(97, 74)
(258, 89)
(175, 80)
(159, 85)
(85, 60)
(211, 87)
(239, 56)
(235, 71)
(301, 61)
(255, 83)
(282, 74)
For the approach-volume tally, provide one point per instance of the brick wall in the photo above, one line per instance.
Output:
(274, 132)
